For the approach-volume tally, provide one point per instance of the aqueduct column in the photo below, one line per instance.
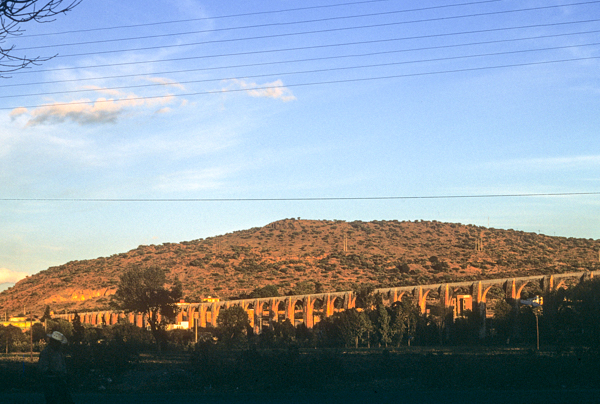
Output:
(350, 300)
(308, 312)
(258, 316)
(214, 314)
(273, 311)
(290, 308)
(548, 283)
(421, 298)
(329, 306)
(445, 296)
(510, 289)
(202, 312)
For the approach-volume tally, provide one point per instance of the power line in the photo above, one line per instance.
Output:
(308, 71)
(254, 13)
(214, 30)
(285, 34)
(340, 81)
(314, 47)
(351, 198)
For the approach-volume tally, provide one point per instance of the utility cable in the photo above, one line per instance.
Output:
(287, 34)
(341, 81)
(255, 26)
(305, 71)
(335, 198)
(251, 14)
(23, 71)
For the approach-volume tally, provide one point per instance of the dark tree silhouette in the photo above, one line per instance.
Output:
(233, 324)
(143, 290)
(15, 13)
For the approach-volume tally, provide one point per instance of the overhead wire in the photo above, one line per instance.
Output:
(285, 34)
(312, 47)
(558, 194)
(276, 24)
(271, 87)
(308, 71)
(347, 56)
(252, 14)
(324, 198)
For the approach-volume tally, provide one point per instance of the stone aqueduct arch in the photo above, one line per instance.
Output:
(266, 311)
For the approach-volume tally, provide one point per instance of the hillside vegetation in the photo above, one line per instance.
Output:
(308, 256)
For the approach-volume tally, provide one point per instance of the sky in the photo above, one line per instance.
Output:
(170, 121)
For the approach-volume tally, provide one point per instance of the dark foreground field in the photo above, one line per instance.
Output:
(561, 396)
(324, 376)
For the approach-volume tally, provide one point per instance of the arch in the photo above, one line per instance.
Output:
(421, 297)
(520, 289)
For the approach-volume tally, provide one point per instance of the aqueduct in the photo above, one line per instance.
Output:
(309, 309)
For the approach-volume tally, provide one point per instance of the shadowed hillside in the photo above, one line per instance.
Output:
(308, 256)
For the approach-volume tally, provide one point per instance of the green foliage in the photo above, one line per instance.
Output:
(12, 339)
(233, 325)
(63, 326)
(382, 327)
(353, 326)
(78, 328)
(143, 290)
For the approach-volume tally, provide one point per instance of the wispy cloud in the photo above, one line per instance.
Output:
(86, 111)
(549, 163)
(275, 89)
(8, 276)
(166, 82)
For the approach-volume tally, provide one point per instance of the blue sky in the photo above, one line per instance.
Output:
(269, 103)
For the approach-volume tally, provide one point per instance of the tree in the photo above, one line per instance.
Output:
(78, 328)
(10, 337)
(47, 314)
(14, 13)
(143, 290)
(233, 324)
(353, 325)
(366, 297)
(405, 316)
(380, 318)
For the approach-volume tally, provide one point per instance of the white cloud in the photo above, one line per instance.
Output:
(550, 163)
(275, 89)
(8, 276)
(166, 82)
(87, 112)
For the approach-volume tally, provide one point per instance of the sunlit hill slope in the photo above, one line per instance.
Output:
(307, 256)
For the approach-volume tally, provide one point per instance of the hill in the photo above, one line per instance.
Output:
(308, 256)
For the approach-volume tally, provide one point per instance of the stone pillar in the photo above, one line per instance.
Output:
(214, 314)
(139, 320)
(202, 311)
(273, 311)
(421, 298)
(329, 306)
(477, 294)
(350, 301)
(308, 312)
(290, 308)
(548, 284)
(445, 296)
(510, 289)
(258, 316)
